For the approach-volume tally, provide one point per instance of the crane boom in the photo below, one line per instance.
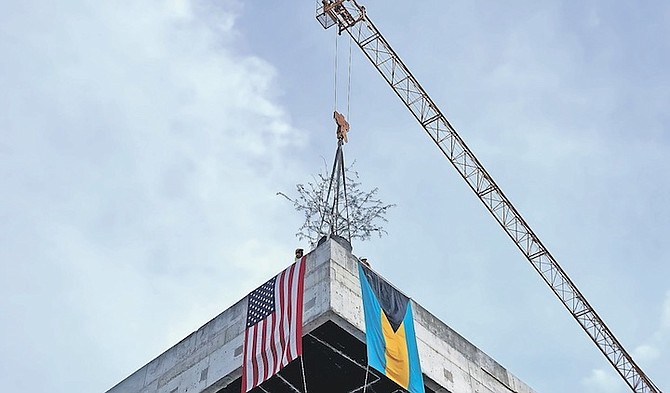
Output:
(349, 16)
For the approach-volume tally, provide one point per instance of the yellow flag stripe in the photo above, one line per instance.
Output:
(397, 356)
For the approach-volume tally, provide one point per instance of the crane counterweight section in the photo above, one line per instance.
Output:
(352, 18)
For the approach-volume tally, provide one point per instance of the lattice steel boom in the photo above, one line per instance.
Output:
(349, 16)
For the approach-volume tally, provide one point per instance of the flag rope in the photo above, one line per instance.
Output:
(365, 384)
(302, 366)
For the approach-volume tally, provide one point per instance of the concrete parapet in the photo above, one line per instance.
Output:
(210, 359)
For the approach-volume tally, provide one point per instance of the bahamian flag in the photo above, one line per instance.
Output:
(389, 332)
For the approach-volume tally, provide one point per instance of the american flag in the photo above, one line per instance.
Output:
(273, 336)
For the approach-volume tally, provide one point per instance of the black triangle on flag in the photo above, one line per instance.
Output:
(392, 301)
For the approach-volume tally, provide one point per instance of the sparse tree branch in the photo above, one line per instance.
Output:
(366, 212)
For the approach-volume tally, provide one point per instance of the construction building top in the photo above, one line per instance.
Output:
(334, 357)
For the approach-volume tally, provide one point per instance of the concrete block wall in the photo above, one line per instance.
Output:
(211, 357)
(448, 359)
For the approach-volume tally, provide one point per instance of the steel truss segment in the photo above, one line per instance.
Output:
(407, 88)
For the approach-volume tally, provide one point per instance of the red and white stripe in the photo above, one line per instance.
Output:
(275, 341)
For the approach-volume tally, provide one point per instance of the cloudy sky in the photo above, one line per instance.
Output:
(142, 144)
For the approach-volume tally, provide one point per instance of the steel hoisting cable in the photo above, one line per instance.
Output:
(335, 77)
(330, 186)
(344, 176)
(349, 80)
(346, 199)
(335, 211)
(338, 171)
(336, 72)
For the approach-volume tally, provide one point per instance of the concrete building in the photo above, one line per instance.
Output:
(210, 359)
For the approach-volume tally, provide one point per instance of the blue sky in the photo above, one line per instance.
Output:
(142, 144)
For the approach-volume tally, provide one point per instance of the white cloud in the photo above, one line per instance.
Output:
(646, 353)
(649, 355)
(140, 149)
(602, 381)
(650, 351)
(140, 157)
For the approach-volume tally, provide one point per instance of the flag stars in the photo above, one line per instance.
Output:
(261, 303)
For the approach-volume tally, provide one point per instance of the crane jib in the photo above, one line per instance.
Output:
(351, 17)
